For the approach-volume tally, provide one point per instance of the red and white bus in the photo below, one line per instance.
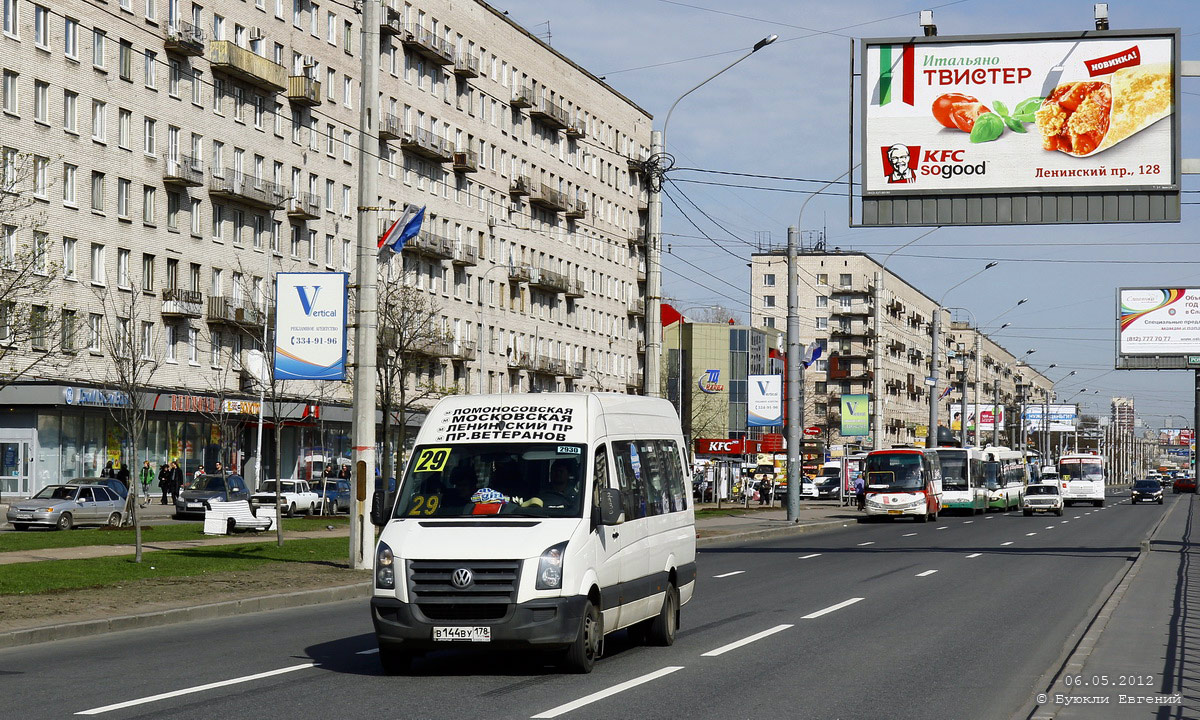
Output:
(903, 482)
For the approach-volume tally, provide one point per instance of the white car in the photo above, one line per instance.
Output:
(1042, 498)
(294, 496)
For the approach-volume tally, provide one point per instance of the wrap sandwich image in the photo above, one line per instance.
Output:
(1089, 116)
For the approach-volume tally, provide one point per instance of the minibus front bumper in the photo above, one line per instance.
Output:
(543, 622)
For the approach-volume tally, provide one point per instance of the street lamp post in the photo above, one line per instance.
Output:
(482, 308)
(1047, 445)
(658, 166)
(931, 435)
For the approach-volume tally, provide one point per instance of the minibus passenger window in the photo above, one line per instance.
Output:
(631, 475)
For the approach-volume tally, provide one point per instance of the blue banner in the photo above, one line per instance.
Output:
(310, 326)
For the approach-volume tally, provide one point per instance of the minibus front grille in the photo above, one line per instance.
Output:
(459, 612)
(492, 581)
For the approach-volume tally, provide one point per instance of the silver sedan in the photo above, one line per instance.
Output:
(65, 506)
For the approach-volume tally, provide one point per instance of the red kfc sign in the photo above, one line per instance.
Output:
(726, 446)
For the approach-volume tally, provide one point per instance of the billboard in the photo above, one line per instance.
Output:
(765, 407)
(310, 326)
(1041, 116)
(855, 418)
(1158, 322)
(1176, 436)
(987, 416)
(1062, 418)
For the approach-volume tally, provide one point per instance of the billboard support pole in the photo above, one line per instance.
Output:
(795, 360)
(1192, 457)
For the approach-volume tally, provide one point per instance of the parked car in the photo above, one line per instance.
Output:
(65, 506)
(1042, 498)
(193, 499)
(829, 487)
(294, 496)
(113, 484)
(334, 496)
(1184, 484)
(1147, 490)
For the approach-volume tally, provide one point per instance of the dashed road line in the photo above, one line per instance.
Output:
(607, 692)
(908, 534)
(195, 689)
(974, 555)
(746, 641)
(729, 574)
(1030, 534)
(942, 527)
(832, 608)
(1010, 542)
(810, 556)
(864, 544)
(926, 573)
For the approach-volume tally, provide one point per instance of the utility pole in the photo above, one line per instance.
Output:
(877, 385)
(654, 269)
(978, 335)
(366, 315)
(931, 438)
(795, 359)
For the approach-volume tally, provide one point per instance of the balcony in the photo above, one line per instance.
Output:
(577, 128)
(549, 280)
(851, 332)
(182, 304)
(185, 39)
(548, 366)
(574, 288)
(430, 245)
(573, 369)
(183, 170)
(390, 127)
(305, 206)
(551, 114)
(244, 65)
(423, 42)
(521, 185)
(636, 308)
(522, 97)
(390, 22)
(549, 198)
(246, 189)
(463, 351)
(634, 380)
(234, 313)
(465, 255)
(520, 273)
(638, 238)
(466, 65)
(641, 273)
(852, 311)
(576, 209)
(426, 144)
(303, 90)
(641, 345)
(851, 290)
(521, 361)
(637, 166)
(465, 161)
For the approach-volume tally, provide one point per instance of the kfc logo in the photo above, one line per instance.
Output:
(900, 162)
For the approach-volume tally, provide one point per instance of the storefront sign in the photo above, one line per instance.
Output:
(710, 382)
(95, 397)
(241, 407)
(310, 321)
(726, 446)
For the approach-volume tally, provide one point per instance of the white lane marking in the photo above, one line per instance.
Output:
(942, 527)
(195, 689)
(618, 688)
(926, 573)
(730, 574)
(1049, 527)
(989, 517)
(908, 534)
(869, 542)
(372, 651)
(1063, 522)
(974, 555)
(810, 556)
(745, 641)
(831, 608)
(1075, 517)
(967, 522)
(1010, 542)
(1030, 534)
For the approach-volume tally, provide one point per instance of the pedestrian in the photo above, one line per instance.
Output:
(764, 489)
(219, 470)
(123, 475)
(107, 472)
(164, 481)
(344, 472)
(176, 480)
(146, 474)
(859, 492)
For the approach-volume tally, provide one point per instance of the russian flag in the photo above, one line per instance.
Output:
(404, 229)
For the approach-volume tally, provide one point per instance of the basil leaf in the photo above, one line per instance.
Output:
(1025, 118)
(1000, 108)
(1028, 106)
(1014, 124)
(988, 127)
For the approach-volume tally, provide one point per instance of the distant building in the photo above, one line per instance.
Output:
(1122, 413)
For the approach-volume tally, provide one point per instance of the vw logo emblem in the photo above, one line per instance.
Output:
(461, 578)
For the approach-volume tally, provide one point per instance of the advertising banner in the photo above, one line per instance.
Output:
(1012, 113)
(855, 416)
(310, 326)
(1159, 321)
(1176, 436)
(765, 408)
(1063, 418)
(987, 416)
(726, 446)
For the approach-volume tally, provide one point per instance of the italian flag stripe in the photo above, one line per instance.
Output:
(905, 65)
(885, 74)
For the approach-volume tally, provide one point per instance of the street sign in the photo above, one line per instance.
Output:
(1193, 359)
(931, 382)
(812, 431)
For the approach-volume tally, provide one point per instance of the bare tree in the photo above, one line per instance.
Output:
(133, 348)
(409, 333)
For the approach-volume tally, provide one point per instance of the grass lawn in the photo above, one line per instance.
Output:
(731, 510)
(42, 539)
(58, 575)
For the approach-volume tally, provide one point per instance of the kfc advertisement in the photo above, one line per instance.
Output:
(1020, 113)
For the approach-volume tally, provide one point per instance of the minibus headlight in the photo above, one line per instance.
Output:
(550, 568)
(385, 567)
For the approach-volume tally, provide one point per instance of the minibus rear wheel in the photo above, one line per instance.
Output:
(663, 627)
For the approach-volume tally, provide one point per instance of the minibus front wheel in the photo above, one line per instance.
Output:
(581, 655)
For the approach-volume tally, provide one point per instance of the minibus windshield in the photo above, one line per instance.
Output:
(954, 469)
(484, 479)
(1089, 470)
(991, 475)
(894, 472)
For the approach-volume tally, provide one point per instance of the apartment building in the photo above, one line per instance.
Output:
(182, 153)
(884, 354)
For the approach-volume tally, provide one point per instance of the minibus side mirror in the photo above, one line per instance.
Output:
(380, 507)
(610, 506)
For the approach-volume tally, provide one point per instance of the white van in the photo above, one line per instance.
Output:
(544, 520)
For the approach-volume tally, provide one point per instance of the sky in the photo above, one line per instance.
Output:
(784, 112)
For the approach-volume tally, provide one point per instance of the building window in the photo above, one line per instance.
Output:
(12, 104)
(67, 328)
(149, 203)
(769, 280)
(98, 42)
(148, 132)
(95, 330)
(196, 219)
(151, 73)
(124, 127)
(173, 74)
(12, 18)
(99, 127)
(70, 111)
(69, 172)
(147, 340)
(769, 301)
(295, 245)
(312, 246)
(822, 323)
(98, 192)
(98, 264)
(170, 343)
(193, 356)
(41, 27)
(71, 38)
(822, 301)
(215, 350)
(68, 247)
(197, 89)
(125, 60)
(769, 321)
(845, 280)
(41, 102)
(822, 278)
(8, 245)
(123, 269)
(123, 198)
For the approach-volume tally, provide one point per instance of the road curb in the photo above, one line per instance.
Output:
(767, 533)
(211, 611)
(1094, 623)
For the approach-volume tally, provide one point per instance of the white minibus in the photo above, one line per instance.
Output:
(963, 483)
(543, 521)
(1005, 476)
(1082, 478)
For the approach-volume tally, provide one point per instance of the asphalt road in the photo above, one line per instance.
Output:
(953, 619)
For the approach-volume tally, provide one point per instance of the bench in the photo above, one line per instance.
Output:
(223, 518)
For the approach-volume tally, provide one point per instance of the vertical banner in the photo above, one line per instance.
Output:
(765, 408)
(310, 326)
(855, 418)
